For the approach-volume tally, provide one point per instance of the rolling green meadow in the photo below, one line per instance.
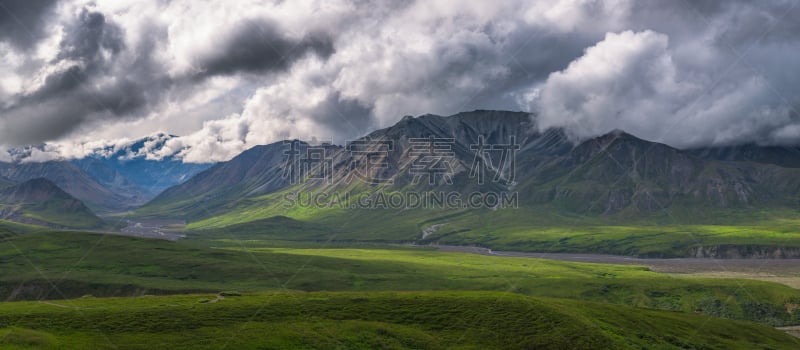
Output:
(388, 320)
(263, 275)
(90, 290)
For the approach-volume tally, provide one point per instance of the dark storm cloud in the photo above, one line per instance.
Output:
(90, 34)
(86, 90)
(22, 21)
(106, 80)
(257, 46)
(767, 22)
(530, 57)
(83, 47)
(343, 116)
(735, 24)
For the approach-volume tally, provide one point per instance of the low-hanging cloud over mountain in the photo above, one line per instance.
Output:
(230, 75)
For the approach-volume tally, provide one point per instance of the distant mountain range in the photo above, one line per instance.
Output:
(111, 180)
(615, 177)
(71, 179)
(129, 171)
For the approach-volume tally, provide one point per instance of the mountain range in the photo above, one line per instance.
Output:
(615, 177)
(110, 180)
(611, 174)
(131, 167)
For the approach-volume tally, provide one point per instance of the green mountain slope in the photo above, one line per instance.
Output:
(254, 172)
(612, 180)
(41, 202)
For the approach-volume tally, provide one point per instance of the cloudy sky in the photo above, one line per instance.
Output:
(228, 75)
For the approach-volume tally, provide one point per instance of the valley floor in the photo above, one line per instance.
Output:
(282, 294)
(785, 271)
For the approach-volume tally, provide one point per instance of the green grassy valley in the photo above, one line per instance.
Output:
(65, 265)
(522, 229)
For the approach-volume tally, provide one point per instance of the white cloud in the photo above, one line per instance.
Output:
(579, 15)
(627, 79)
(632, 81)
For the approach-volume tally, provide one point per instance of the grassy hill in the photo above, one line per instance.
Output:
(41, 202)
(11, 227)
(419, 320)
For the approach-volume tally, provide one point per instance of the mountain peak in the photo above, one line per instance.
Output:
(618, 134)
(41, 202)
(34, 190)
